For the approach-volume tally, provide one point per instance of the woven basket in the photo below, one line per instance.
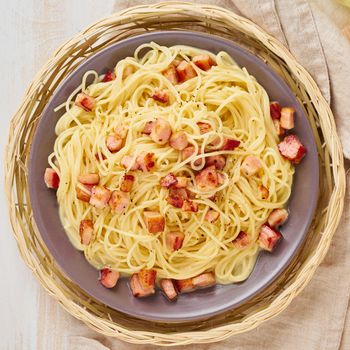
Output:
(174, 16)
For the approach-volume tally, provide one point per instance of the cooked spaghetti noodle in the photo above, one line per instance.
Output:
(234, 105)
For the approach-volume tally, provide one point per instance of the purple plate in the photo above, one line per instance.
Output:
(200, 304)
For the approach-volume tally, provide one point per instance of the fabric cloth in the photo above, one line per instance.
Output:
(317, 319)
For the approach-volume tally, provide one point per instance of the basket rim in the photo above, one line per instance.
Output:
(280, 303)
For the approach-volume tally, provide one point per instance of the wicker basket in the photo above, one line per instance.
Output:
(124, 24)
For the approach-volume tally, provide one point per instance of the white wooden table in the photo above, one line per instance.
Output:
(29, 31)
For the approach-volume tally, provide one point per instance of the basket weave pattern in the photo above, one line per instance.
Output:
(136, 20)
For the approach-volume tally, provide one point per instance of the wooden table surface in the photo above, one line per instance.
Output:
(29, 31)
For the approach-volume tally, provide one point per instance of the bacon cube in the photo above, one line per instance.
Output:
(292, 149)
(161, 96)
(147, 278)
(119, 201)
(109, 76)
(287, 118)
(189, 205)
(184, 286)
(136, 288)
(204, 62)
(161, 131)
(85, 101)
(279, 130)
(211, 215)
(174, 240)
(145, 161)
(169, 289)
(114, 143)
(268, 237)
(176, 197)
(230, 144)
(251, 165)
(241, 241)
(155, 222)
(127, 182)
(178, 140)
(182, 182)
(218, 161)
(86, 230)
(263, 192)
(207, 179)
(171, 74)
(204, 127)
(108, 277)
(275, 110)
(100, 196)
(89, 179)
(51, 178)
(277, 217)
(168, 180)
(84, 192)
(204, 280)
(148, 128)
(128, 163)
(185, 71)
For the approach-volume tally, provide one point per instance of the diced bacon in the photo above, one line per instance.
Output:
(263, 192)
(287, 118)
(218, 161)
(241, 241)
(114, 143)
(268, 238)
(137, 289)
(178, 140)
(251, 165)
(188, 152)
(204, 280)
(204, 127)
(189, 205)
(127, 182)
(128, 70)
(182, 182)
(51, 178)
(161, 131)
(169, 289)
(145, 161)
(174, 240)
(292, 149)
(89, 179)
(171, 74)
(168, 180)
(161, 96)
(128, 163)
(277, 124)
(204, 62)
(86, 230)
(176, 197)
(119, 201)
(207, 179)
(121, 130)
(84, 192)
(275, 110)
(147, 278)
(185, 71)
(155, 222)
(100, 156)
(277, 217)
(211, 215)
(148, 128)
(85, 101)
(109, 76)
(100, 196)
(108, 277)
(184, 286)
(230, 144)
